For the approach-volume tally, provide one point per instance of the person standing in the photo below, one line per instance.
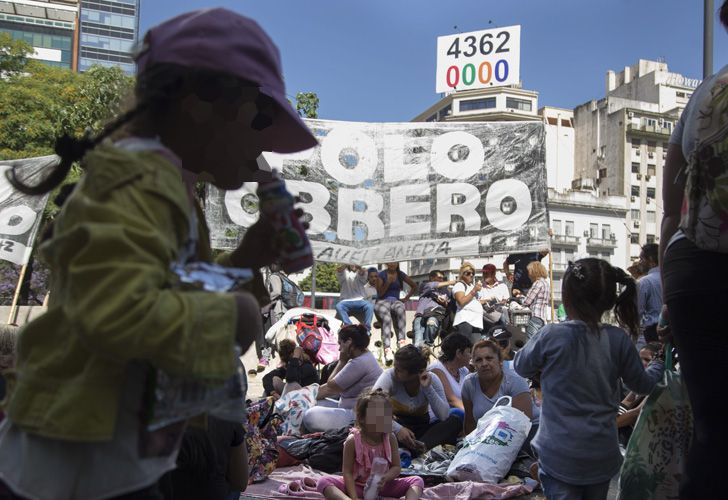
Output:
(538, 297)
(649, 296)
(519, 276)
(353, 296)
(694, 260)
(210, 98)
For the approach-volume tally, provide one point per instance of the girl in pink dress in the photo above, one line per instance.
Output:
(371, 438)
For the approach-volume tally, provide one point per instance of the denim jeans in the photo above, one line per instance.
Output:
(555, 489)
(345, 308)
(425, 329)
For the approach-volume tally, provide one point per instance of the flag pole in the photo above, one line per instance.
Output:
(14, 306)
(313, 285)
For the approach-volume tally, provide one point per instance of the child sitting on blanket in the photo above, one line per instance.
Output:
(369, 439)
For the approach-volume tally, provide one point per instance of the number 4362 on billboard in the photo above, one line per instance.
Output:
(478, 59)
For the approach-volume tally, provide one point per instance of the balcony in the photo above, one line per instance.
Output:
(558, 269)
(649, 130)
(564, 240)
(603, 243)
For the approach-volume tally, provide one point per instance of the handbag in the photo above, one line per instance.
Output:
(655, 459)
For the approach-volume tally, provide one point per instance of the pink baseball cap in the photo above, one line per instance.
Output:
(224, 41)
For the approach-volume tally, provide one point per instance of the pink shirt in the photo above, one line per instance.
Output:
(366, 453)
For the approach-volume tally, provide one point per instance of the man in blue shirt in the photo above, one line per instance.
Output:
(649, 294)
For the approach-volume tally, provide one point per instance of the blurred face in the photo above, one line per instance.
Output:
(646, 356)
(219, 143)
(467, 275)
(403, 375)
(392, 266)
(486, 363)
(378, 418)
(489, 277)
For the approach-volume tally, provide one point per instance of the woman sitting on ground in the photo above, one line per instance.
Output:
(295, 367)
(356, 370)
(413, 392)
(489, 382)
(452, 367)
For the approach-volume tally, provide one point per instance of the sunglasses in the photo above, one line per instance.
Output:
(468, 273)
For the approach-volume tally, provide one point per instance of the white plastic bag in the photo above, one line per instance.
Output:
(489, 451)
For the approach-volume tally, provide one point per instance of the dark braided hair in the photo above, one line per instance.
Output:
(590, 289)
(157, 90)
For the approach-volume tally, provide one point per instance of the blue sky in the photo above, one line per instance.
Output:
(374, 60)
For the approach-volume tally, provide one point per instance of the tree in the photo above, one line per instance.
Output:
(325, 278)
(307, 104)
(13, 54)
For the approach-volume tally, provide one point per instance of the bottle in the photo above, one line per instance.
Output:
(379, 468)
(276, 204)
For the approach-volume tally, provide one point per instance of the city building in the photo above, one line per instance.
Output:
(49, 26)
(560, 137)
(621, 141)
(586, 224)
(492, 104)
(108, 33)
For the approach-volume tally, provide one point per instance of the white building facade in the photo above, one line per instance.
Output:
(621, 141)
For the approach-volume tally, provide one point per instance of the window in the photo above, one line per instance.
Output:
(680, 95)
(650, 192)
(569, 228)
(602, 173)
(651, 216)
(552, 121)
(636, 143)
(650, 238)
(594, 230)
(444, 112)
(556, 226)
(651, 122)
(651, 145)
(634, 238)
(475, 104)
(522, 104)
(606, 231)
(565, 123)
(569, 255)
(635, 214)
(635, 168)
(650, 170)
(635, 190)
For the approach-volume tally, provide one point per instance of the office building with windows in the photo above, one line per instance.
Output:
(48, 26)
(108, 33)
(621, 141)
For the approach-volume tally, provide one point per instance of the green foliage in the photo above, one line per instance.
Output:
(13, 54)
(307, 104)
(43, 102)
(325, 278)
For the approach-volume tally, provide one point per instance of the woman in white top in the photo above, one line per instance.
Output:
(469, 315)
(452, 367)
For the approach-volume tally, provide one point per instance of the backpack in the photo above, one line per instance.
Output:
(704, 213)
(322, 450)
(291, 294)
(316, 340)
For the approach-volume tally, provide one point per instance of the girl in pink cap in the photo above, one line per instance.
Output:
(209, 98)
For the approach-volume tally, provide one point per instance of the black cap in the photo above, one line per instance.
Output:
(502, 332)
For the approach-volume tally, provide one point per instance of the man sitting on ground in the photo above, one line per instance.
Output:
(295, 367)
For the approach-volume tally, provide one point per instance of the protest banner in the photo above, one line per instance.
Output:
(20, 214)
(384, 192)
